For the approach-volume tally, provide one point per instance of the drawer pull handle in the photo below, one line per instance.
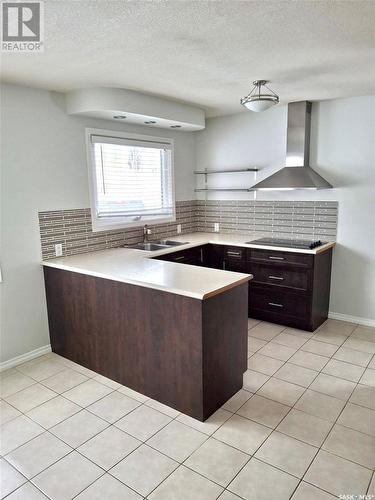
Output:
(275, 278)
(180, 258)
(274, 304)
(237, 254)
(276, 258)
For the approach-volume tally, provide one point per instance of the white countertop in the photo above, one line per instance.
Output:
(137, 268)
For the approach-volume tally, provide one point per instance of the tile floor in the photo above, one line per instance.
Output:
(302, 427)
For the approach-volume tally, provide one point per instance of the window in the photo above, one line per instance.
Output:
(131, 179)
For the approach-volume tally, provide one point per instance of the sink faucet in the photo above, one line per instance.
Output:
(146, 233)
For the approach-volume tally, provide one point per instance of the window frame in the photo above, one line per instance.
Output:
(111, 223)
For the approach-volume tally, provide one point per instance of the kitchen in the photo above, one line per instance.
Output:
(209, 362)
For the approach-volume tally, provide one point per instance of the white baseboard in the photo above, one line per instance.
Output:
(352, 319)
(25, 357)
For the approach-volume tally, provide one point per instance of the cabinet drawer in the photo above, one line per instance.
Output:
(299, 279)
(235, 253)
(281, 303)
(277, 258)
(184, 256)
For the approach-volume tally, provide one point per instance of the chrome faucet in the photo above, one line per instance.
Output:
(146, 233)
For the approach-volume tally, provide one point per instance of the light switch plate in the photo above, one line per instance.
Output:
(216, 227)
(58, 249)
(178, 228)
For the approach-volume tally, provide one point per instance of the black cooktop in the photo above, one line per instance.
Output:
(288, 243)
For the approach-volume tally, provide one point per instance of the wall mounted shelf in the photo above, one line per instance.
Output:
(223, 189)
(208, 171)
(213, 171)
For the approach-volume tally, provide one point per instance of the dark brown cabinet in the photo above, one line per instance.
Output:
(289, 288)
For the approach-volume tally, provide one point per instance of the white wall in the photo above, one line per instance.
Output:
(342, 150)
(43, 162)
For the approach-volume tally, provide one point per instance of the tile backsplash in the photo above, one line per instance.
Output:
(288, 219)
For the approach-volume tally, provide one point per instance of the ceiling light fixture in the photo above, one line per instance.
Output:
(176, 126)
(150, 122)
(119, 117)
(258, 101)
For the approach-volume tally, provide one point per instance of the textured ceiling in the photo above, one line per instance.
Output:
(205, 52)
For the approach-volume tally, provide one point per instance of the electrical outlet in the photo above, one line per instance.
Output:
(216, 227)
(178, 228)
(58, 249)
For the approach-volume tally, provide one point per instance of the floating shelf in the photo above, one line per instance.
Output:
(212, 171)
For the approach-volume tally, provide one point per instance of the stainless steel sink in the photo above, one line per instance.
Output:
(170, 243)
(148, 247)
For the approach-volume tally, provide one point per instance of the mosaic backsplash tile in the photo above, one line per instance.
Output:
(287, 219)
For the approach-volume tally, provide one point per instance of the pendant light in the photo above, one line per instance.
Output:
(258, 100)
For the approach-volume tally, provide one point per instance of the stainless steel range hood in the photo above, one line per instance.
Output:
(297, 174)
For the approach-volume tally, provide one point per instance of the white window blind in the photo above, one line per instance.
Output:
(132, 181)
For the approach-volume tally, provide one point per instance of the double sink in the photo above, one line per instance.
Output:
(156, 245)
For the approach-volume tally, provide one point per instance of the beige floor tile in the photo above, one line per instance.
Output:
(143, 422)
(87, 393)
(281, 391)
(30, 397)
(243, 434)
(289, 340)
(372, 363)
(27, 492)
(79, 428)
(167, 410)
(358, 418)
(133, 394)
(368, 378)
(252, 380)
(266, 331)
(343, 370)
(80, 369)
(53, 412)
(7, 412)
(352, 445)
(360, 345)
(309, 360)
(307, 428)
(337, 475)
(355, 357)
(107, 381)
(42, 370)
(320, 405)
(144, 469)
(236, 401)
(58, 481)
(287, 454)
(255, 344)
(306, 491)
(330, 337)
(371, 489)
(38, 454)
(321, 348)
(6, 373)
(184, 484)
(333, 386)
(252, 322)
(364, 395)
(109, 447)
(264, 364)
(260, 481)
(17, 432)
(177, 441)
(107, 487)
(113, 407)
(227, 495)
(10, 478)
(295, 374)
(302, 334)
(264, 411)
(277, 351)
(13, 383)
(210, 425)
(364, 333)
(217, 461)
(337, 326)
(65, 380)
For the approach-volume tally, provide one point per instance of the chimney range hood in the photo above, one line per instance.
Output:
(297, 174)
